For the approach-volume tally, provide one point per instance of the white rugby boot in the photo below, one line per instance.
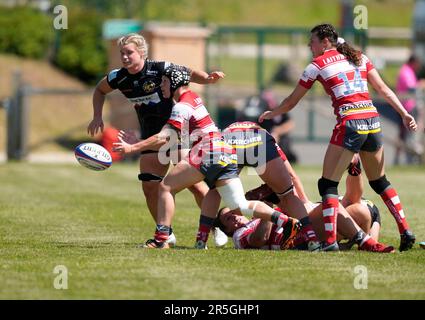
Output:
(220, 238)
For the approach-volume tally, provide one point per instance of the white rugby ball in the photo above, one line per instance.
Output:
(93, 156)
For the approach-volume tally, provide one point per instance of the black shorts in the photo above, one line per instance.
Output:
(254, 148)
(358, 134)
(215, 159)
(215, 172)
(375, 216)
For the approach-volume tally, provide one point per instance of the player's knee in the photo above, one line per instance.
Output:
(379, 185)
(198, 190)
(327, 186)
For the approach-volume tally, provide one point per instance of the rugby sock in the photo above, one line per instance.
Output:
(161, 233)
(360, 238)
(279, 219)
(330, 212)
(205, 225)
(392, 201)
(307, 229)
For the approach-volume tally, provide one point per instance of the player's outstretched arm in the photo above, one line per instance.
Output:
(203, 77)
(127, 145)
(286, 105)
(101, 90)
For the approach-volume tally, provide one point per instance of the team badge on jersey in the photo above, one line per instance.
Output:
(149, 86)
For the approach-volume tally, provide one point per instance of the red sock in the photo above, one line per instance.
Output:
(161, 236)
(330, 212)
(279, 219)
(392, 201)
(203, 232)
(310, 235)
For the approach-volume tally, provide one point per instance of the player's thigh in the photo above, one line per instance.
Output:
(373, 163)
(361, 215)
(150, 163)
(183, 175)
(276, 175)
(336, 162)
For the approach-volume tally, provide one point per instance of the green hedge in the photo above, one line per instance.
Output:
(80, 49)
(25, 32)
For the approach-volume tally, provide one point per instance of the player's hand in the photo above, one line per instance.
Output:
(409, 122)
(214, 76)
(122, 147)
(267, 115)
(95, 126)
(128, 136)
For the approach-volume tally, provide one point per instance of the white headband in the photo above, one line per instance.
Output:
(340, 40)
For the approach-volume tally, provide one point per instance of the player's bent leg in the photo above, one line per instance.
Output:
(349, 229)
(360, 215)
(180, 177)
(278, 178)
(231, 191)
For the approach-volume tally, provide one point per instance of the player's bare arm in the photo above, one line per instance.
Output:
(203, 77)
(155, 142)
(101, 90)
(286, 105)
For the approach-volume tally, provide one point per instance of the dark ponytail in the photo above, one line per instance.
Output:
(352, 55)
(328, 31)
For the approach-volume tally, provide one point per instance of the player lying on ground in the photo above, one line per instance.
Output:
(256, 148)
(210, 159)
(261, 234)
(359, 214)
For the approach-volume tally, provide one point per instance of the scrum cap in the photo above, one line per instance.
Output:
(178, 77)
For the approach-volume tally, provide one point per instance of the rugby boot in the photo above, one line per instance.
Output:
(407, 239)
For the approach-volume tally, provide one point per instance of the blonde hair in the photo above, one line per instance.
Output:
(137, 39)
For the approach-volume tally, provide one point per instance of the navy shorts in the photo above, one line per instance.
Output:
(358, 134)
(215, 159)
(254, 148)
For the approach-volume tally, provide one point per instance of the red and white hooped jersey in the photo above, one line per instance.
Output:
(191, 117)
(344, 82)
(241, 236)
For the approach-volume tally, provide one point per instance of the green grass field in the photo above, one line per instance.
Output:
(91, 222)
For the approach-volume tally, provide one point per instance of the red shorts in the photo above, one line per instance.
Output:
(358, 134)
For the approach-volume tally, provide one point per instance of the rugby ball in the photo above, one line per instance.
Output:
(93, 156)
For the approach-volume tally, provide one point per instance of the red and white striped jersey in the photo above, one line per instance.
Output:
(191, 117)
(344, 82)
(241, 236)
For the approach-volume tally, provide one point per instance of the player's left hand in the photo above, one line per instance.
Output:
(214, 76)
(122, 147)
(267, 115)
(409, 122)
(126, 142)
